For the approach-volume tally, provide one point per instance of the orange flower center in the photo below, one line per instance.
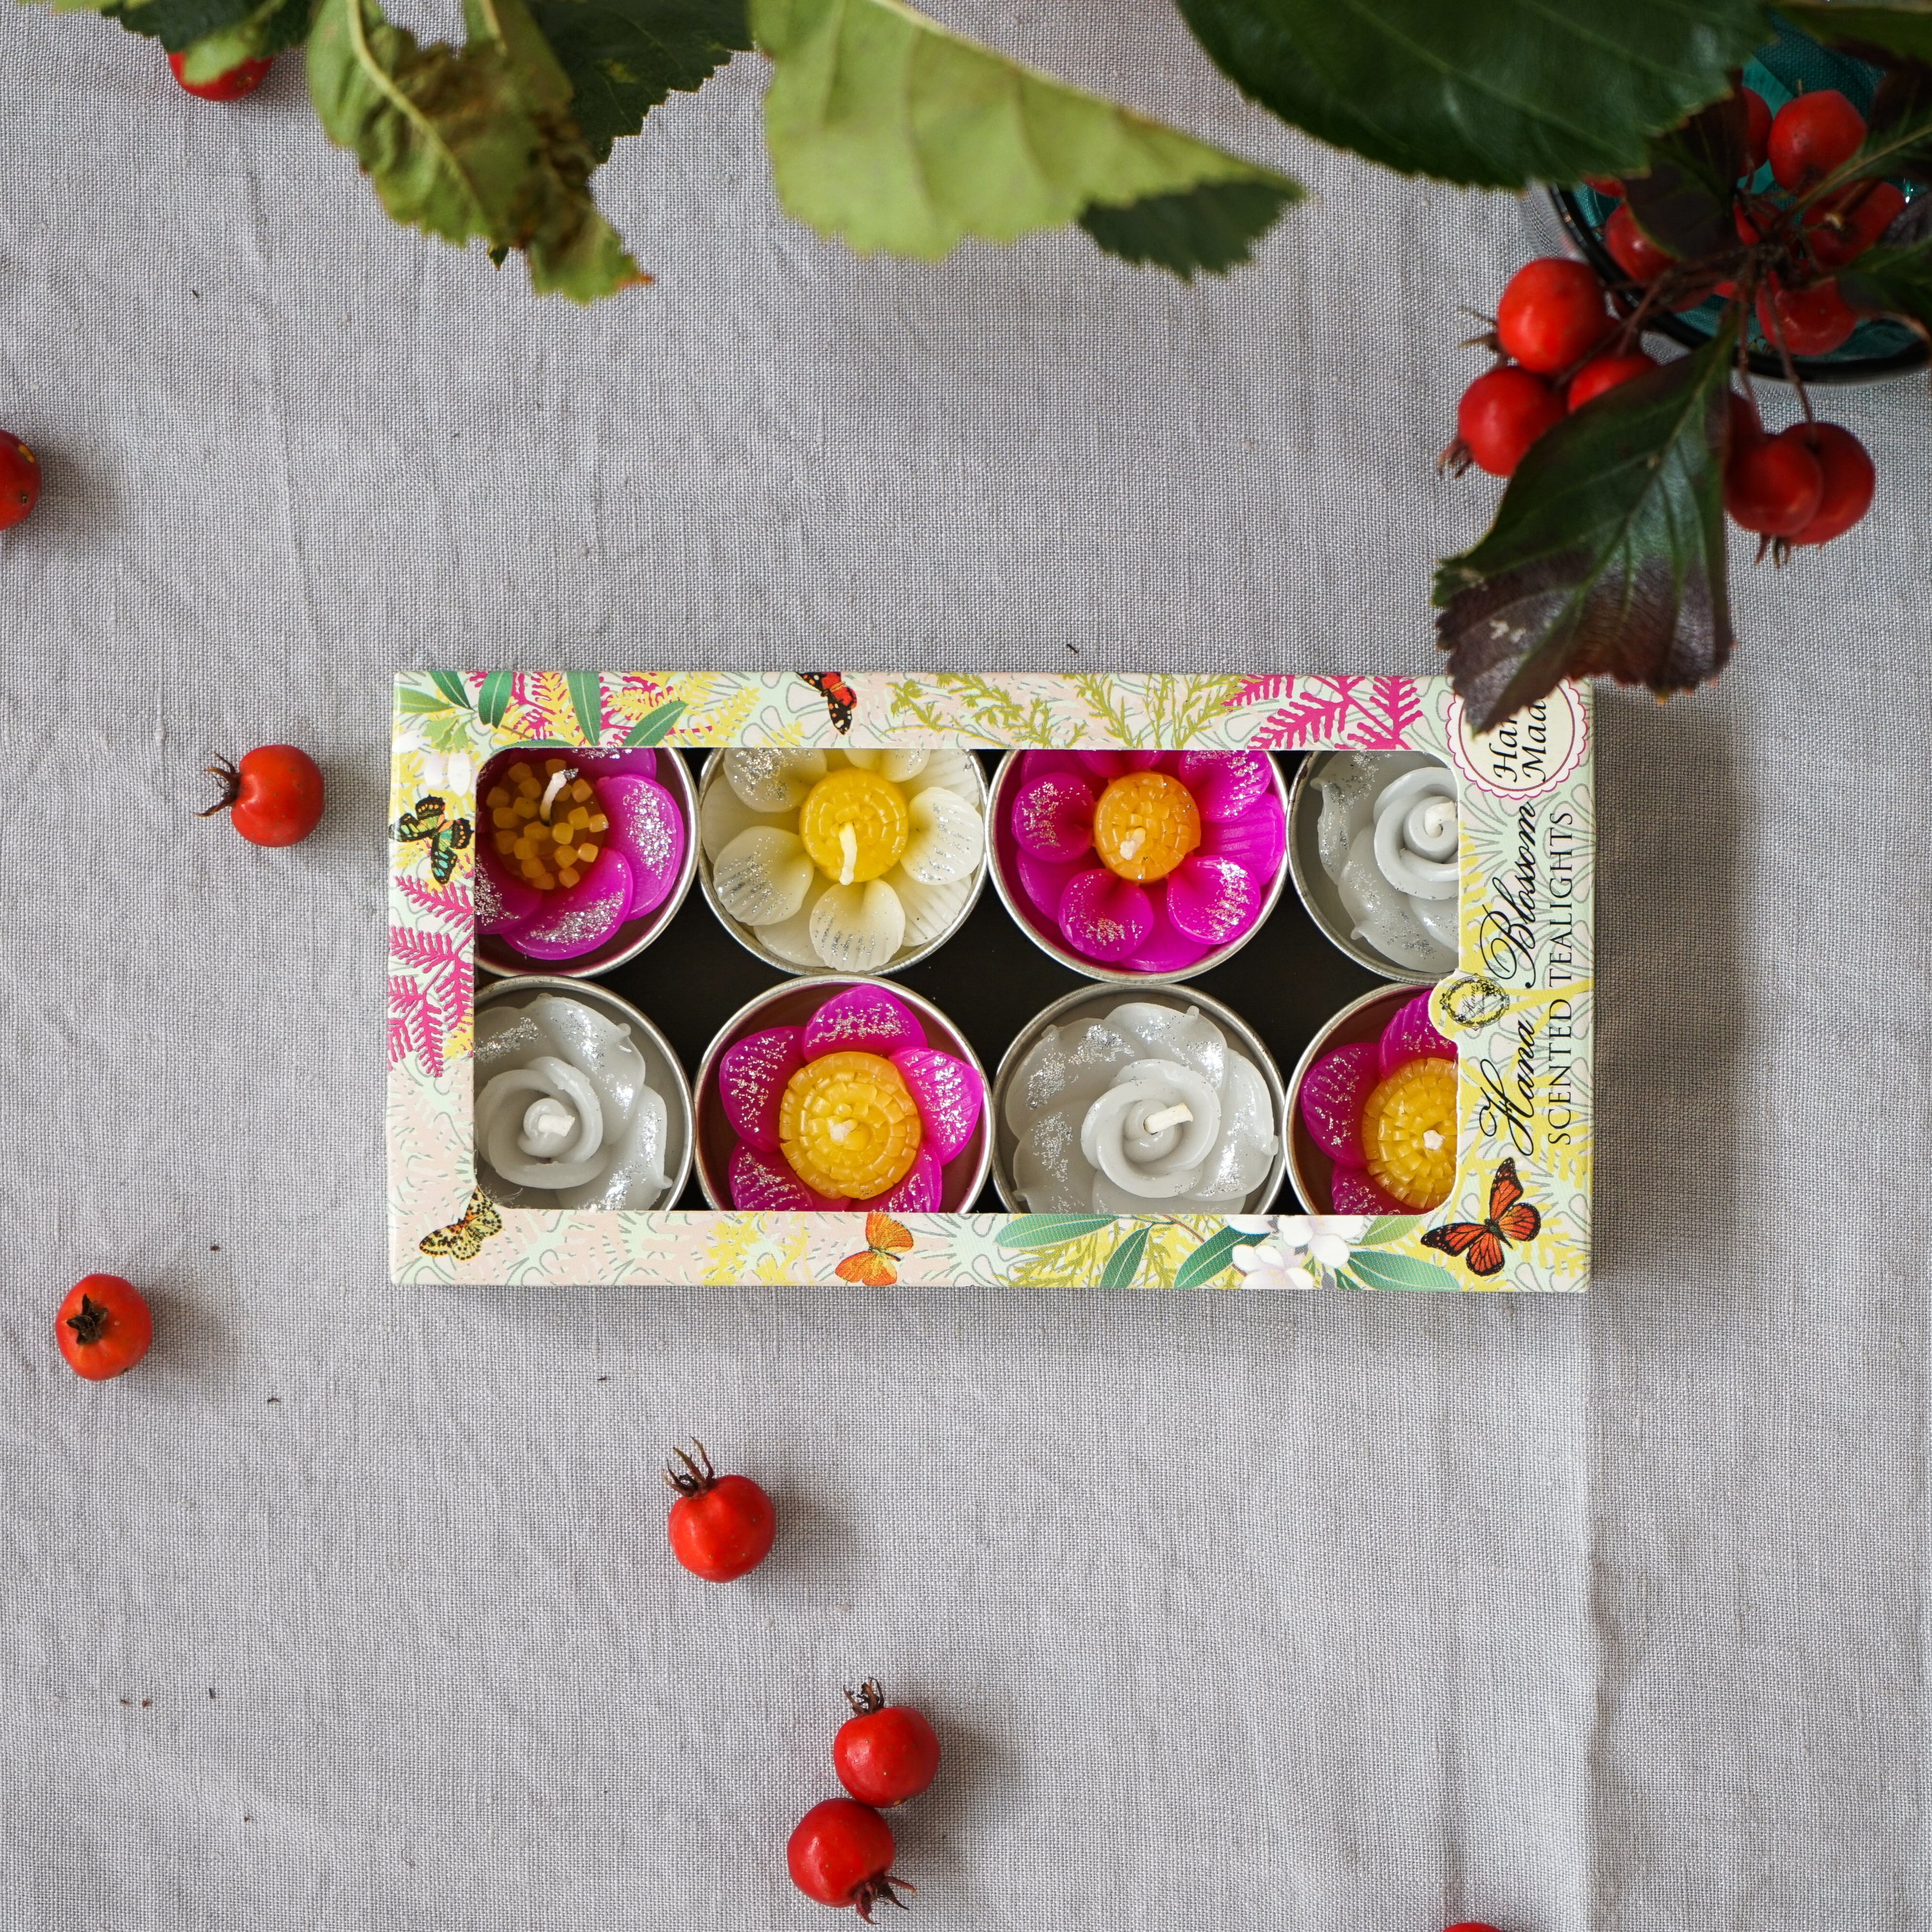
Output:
(1408, 1133)
(1144, 825)
(547, 832)
(847, 1125)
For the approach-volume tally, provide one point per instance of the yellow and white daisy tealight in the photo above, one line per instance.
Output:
(843, 861)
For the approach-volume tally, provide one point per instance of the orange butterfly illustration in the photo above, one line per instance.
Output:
(876, 1268)
(1481, 1243)
(840, 700)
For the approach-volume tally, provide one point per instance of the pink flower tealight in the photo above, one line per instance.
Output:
(572, 846)
(855, 1109)
(1152, 862)
(1384, 1111)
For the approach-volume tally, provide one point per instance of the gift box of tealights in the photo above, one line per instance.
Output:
(1156, 981)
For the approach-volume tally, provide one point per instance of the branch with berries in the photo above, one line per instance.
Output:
(1608, 554)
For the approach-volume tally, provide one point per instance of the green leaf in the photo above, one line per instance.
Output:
(1892, 281)
(1386, 1228)
(1682, 201)
(452, 687)
(469, 141)
(890, 132)
(213, 35)
(1491, 93)
(1607, 554)
(1904, 27)
(1212, 229)
(625, 56)
(1124, 1263)
(1211, 1258)
(586, 700)
(494, 700)
(654, 725)
(1380, 1271)
(411, 699)
(1027, 1231)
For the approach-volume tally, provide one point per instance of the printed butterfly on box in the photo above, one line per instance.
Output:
(462, 1241)
(1480, 1244)
(841, 701)
(444, 837)
(877, 1266)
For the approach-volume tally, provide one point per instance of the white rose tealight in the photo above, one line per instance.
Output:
(1149, 1109)
(567, 1114)
(1391, 838)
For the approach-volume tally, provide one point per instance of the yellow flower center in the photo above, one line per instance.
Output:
(545, 822)
(847, 1125)
(1144, 825)
(1408, 1133)
(854, 824)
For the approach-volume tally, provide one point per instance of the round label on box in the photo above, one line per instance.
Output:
(1524, 756)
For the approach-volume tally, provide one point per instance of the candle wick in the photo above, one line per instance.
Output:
(839, 1132)
(848, 854)
(558, 781)
(1432, 1140)
(1178, 1115)
(1130, 846)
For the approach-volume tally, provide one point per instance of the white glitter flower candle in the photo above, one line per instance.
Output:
(579, 1103)
(1138, 1107)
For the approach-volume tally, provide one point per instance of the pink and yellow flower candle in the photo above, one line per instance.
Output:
(1140, 864)
(847, 1103)
(575, 846)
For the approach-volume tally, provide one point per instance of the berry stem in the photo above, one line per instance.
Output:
(868, 1698)
(90, 1323)
(696, 1477)
(231, 787)
(880, 1891)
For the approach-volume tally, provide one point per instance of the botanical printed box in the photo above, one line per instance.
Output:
(1519, 1007)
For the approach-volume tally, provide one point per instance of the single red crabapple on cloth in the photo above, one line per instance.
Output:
(103, 1327)
(883, 1753)
(721, 1527)
(840, 1853)
(273, 797)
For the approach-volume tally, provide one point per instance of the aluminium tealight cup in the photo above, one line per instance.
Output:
(497, 957)
(1040, 930)
(1320, 897)
(713, 773)
(1360, 1022)
(1091, 1003)
(662, 1072)
(791, 1005)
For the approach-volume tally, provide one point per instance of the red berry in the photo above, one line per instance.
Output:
(1552, 314)
(19, 480)
(1608, 186)
(273, 797)
(1470, 1925)
(244, 77)
(720, 1526)
(1811, 321)
(840, 1853)
(1757, 129)
(1813, 135)
(884, 1754)
(1850, 480)
(1606, 372)
(103, 1327)
(1501, 414)
(1774, 487)
(1632, 249)
(1844, 225)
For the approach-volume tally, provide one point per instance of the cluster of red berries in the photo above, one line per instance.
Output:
(1800, 309)
(1806, 485)
(841, 1852)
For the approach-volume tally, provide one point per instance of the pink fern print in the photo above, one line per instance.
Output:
(414, 1025)
(451, 903)
(1374, 714)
